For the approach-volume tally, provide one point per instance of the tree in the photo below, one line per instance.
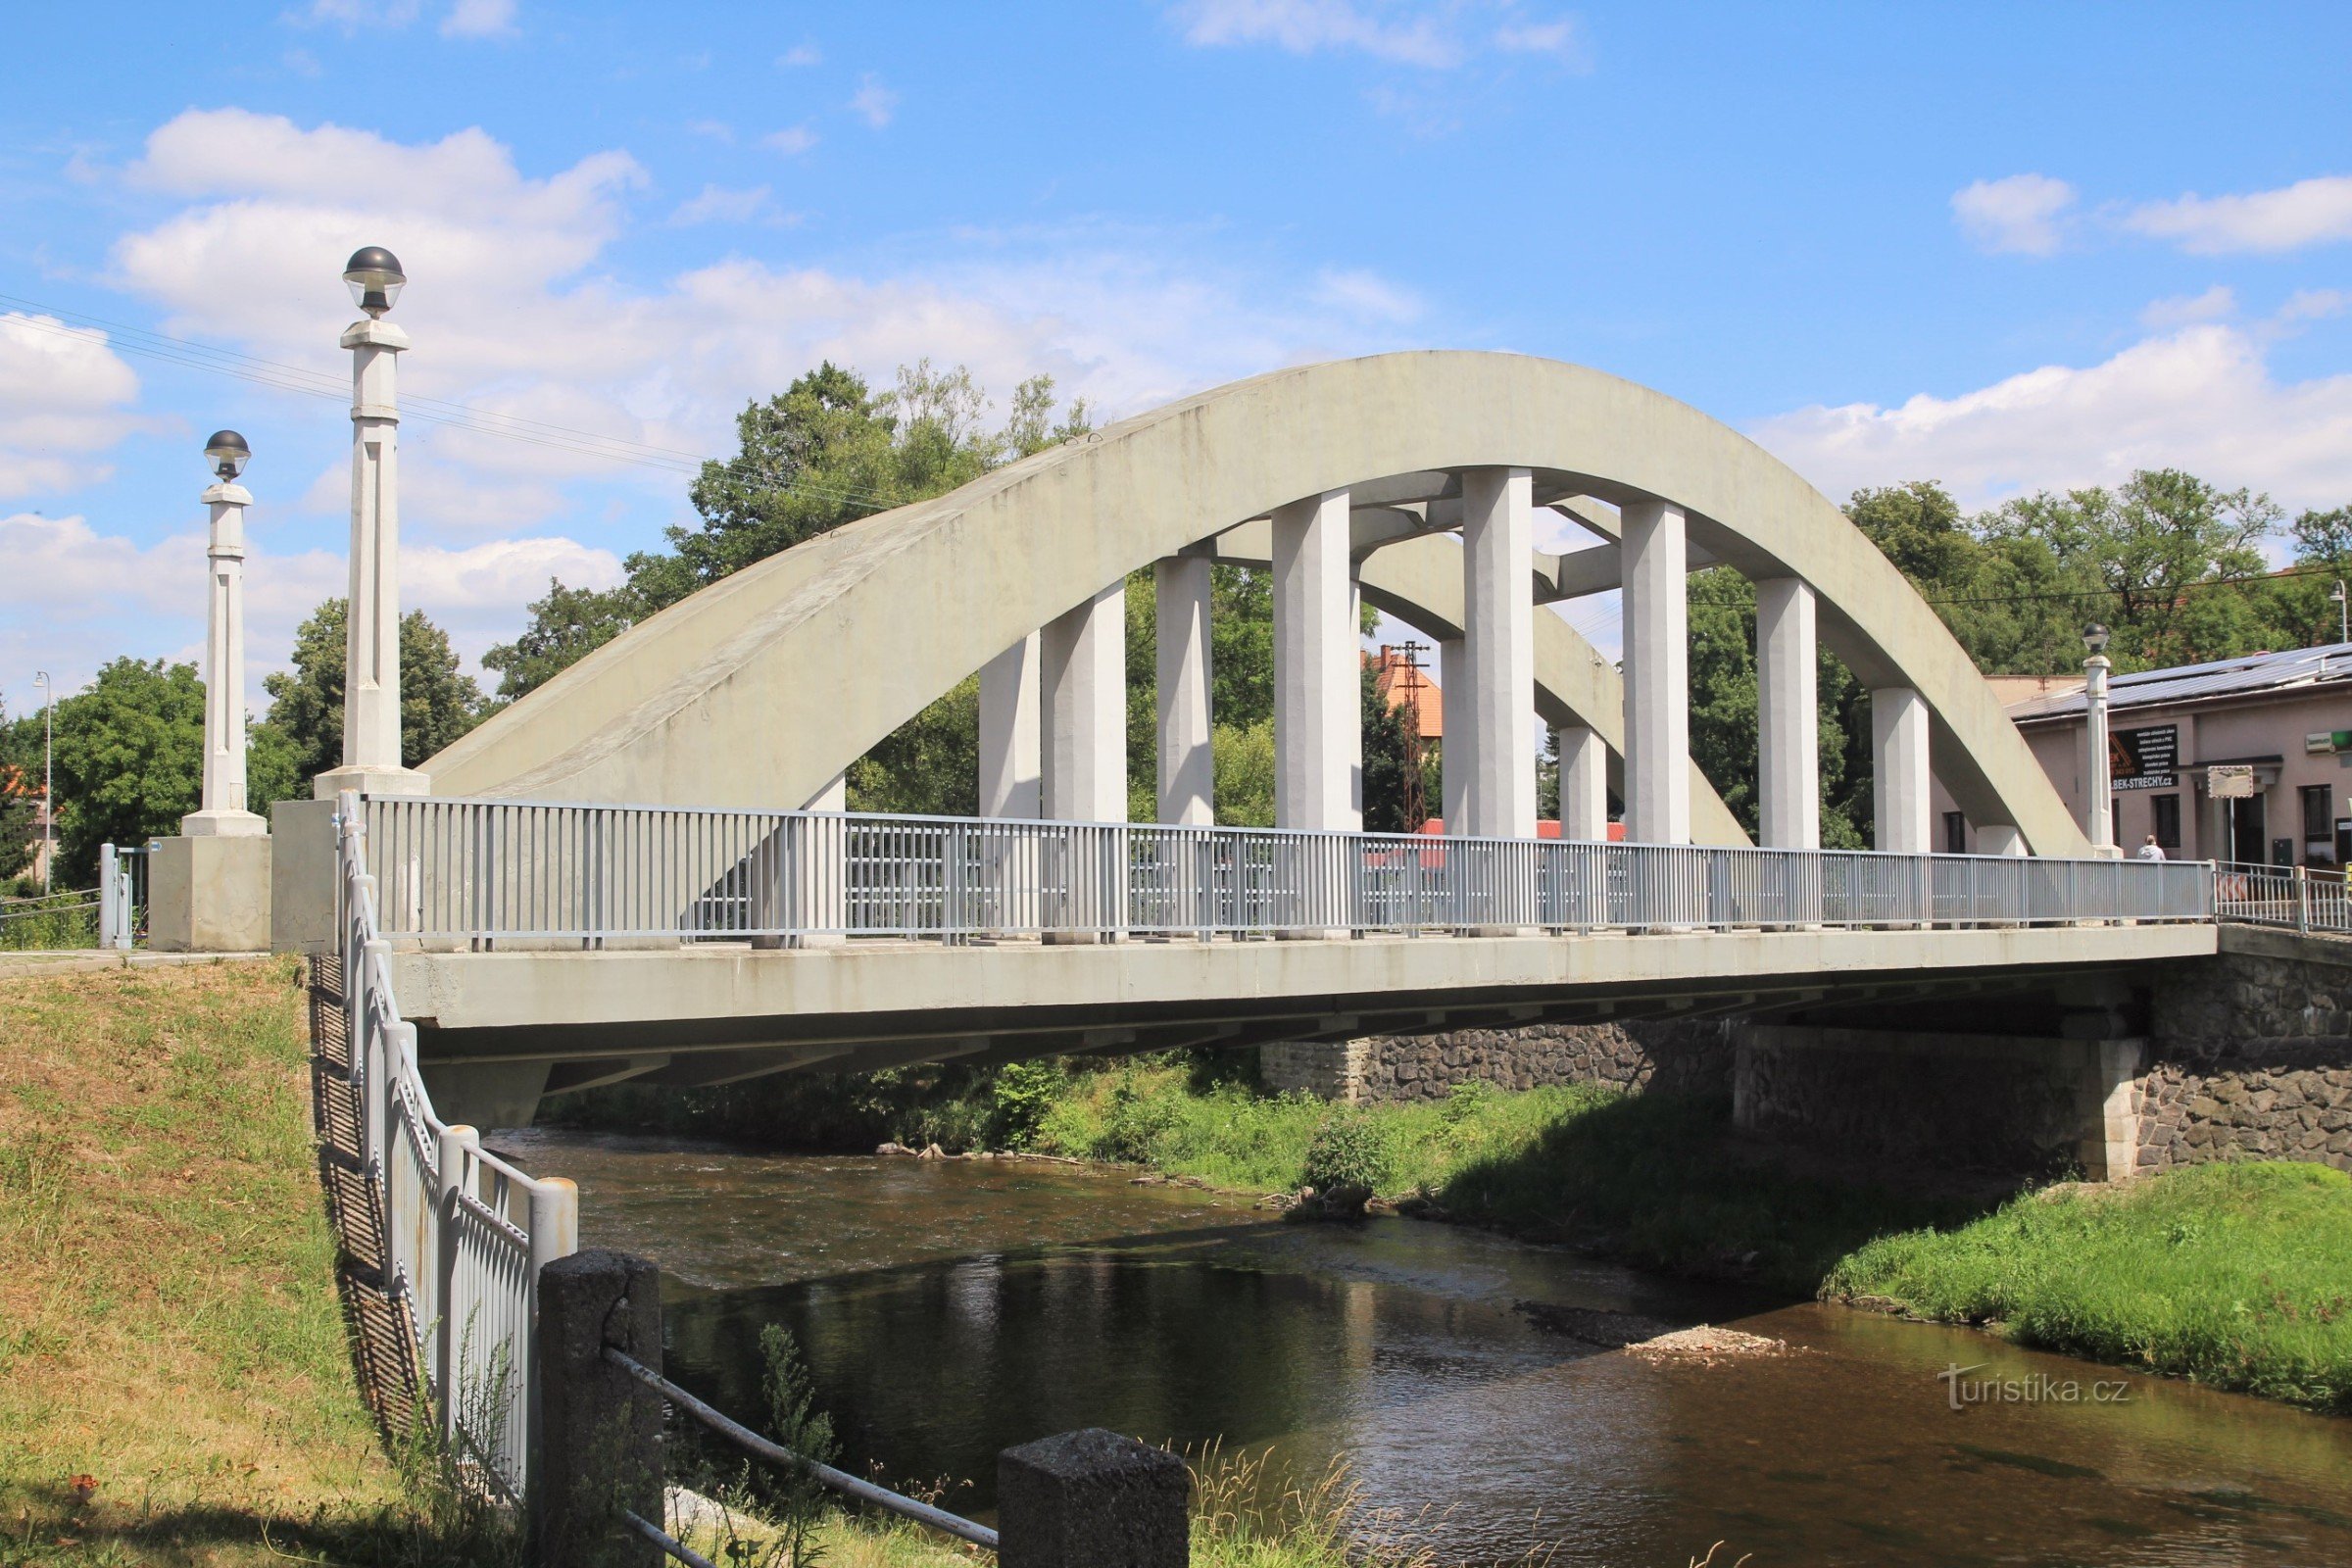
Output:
(1388, 754)
(129, 761)
(21, 787)
(438, 702)
(566, 627)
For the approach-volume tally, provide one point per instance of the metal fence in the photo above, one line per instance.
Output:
(122, 895)
(464, 1232)
(2291, 895)
(483, 870)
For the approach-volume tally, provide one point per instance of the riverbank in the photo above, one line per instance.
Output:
(2236, 1275)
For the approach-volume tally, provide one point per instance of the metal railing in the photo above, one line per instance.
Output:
(464, 1232)
(824, 1474)
(122, 895)
(486, 870)
(64, 918)
(2290, 896)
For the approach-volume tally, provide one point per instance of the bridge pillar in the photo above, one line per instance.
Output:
(1187, 767)
(1788, 718)
(1584, 785)
(1899, 743)
(1010, 732)
(1316, 706)
(1657, 675)
(2001, 838)
(1083, 671)
(1500, 609)
(1457, 748)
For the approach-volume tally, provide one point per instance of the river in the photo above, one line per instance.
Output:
(948, 1309)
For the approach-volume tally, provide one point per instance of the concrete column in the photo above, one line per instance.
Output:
(1092, 1500)
(1787, 717)
(372, 645)
(599, 1439)
(1355, 702)
(1010, 732)
(223, 807)
(1083, 675)
(1458, 748)
(1316, 711)
(1657, 675)
(1584, 785)
(1899, 743)
(1187, 767)
(2098, 782)
(1499, 608)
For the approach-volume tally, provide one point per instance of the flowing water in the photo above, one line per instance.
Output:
(950, 1309)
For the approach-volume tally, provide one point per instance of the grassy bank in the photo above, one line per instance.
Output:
(2238, 1275)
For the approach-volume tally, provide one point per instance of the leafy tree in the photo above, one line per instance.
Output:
(129, 759)
(1242, 758)
(1387, 756)
(438, 702)
(566, 627)
(20, 790)
(928, 766)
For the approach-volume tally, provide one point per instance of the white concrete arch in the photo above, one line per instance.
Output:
(757, 691)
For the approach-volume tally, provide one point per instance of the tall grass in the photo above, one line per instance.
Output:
(2238, 1275)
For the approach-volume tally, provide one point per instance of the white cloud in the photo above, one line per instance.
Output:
(716, 129)
(65, 395)
(2310, 212)
(2217, 304)
(2201, 399)
(790, 141)
(1359, 291)
(480, 19)
(2312, 305)
(799, 54)
(718, 205)
(1307, 26)
(874, 102)
(353, 14)
(1562, 40)
(2019, 214)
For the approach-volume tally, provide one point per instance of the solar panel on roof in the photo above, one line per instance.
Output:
(2254, 672)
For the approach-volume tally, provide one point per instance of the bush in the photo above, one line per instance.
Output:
(1024, 1091)
(1349, 1149)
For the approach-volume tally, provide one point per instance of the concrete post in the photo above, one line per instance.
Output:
(1355, 703)
(1788, 718)
(1082, 670)
(371, 628)
(1584, 785)
(1657, 675)
(1458, 748)
(222, 807)
(600, 1449)
(1011, 730)
(1316, 711)
(1499, 608)
(1092, 1500)
(1899, 741)
(819, 870)
(1187, 767)
(2098, 785)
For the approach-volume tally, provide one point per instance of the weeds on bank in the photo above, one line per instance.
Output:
(2238, 1275)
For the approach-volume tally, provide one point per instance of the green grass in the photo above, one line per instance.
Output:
(2238, 1275)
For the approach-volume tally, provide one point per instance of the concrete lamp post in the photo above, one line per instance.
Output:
(208, 890)
(221, 810)
(371, 621)
(2098, 798)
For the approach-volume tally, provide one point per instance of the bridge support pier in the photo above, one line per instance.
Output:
(1498, 556)
(1459, 744)
(1316, 711)
(1899, 738)
(1788, 718)
(1083, 675)
(1583, 784)
(1657, 675)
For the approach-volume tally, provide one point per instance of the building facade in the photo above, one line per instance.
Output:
(2246, 759)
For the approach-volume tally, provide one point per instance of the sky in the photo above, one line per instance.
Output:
(2003, 247)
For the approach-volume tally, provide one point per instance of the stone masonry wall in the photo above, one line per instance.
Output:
(1384, 1069)
(2250, 1054)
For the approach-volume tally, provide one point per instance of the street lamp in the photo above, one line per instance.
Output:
(221, 809)
(40, 678)
(2099, 806)
(371, 625)
(2343, 613)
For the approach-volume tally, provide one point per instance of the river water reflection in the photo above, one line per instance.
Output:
(948, 1309)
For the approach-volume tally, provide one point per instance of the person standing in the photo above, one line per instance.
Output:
(2151, 849)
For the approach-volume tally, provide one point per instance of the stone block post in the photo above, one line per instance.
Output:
(1092, 1500)
(600, 1429)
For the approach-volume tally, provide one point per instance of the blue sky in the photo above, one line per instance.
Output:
(2005, 247)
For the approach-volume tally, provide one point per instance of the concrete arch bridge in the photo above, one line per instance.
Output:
(643, 871)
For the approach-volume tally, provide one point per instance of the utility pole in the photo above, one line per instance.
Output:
(40, 678)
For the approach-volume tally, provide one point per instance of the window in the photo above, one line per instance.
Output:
(2318, 826)
(2167, 822)
(1956, 833)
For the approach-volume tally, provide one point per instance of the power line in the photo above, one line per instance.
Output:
(2117, 593)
